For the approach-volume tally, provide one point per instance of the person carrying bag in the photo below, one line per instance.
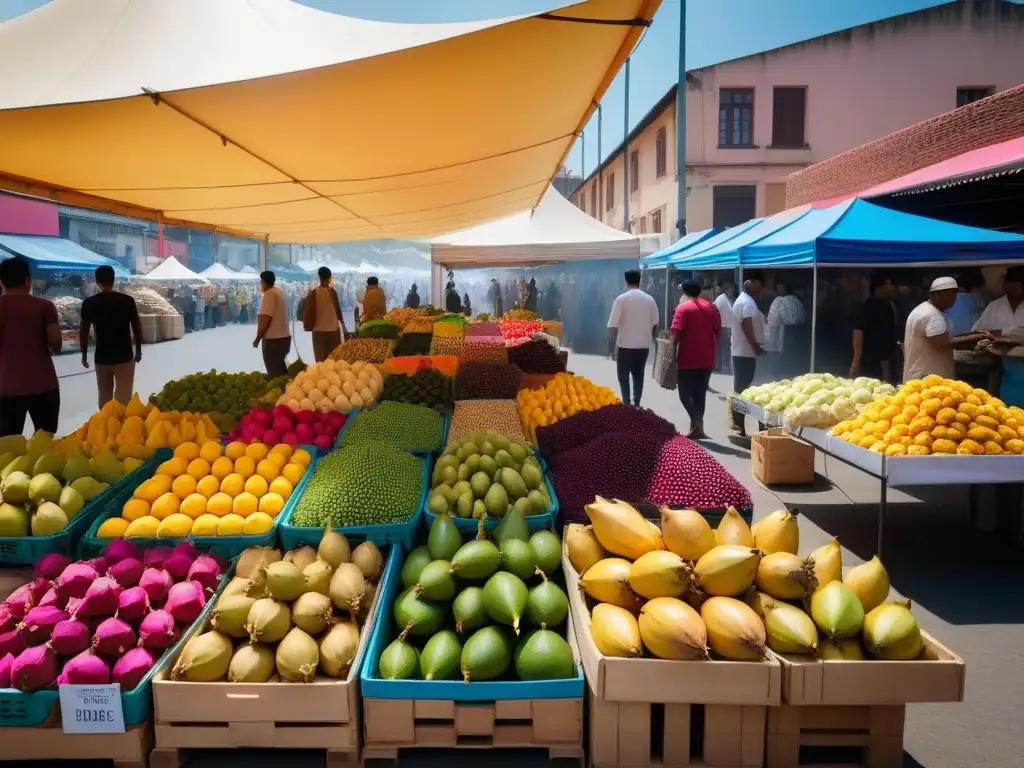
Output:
(322, 317)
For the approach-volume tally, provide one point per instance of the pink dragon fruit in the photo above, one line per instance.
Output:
(26, 597)
(158, 631)
(8, 620)
(13, 642)
(35, 668)
(100, 599)
(187, 548)
(206, 571)
(113, 637)
(185, 601)
(85, 669)
(132, 667)
(54, 598)
(5, 671)
(38, 624)
(100, 564)
(70, 637)
(75, 580)
(126, 572)
(154, 558)
(178, 565)
(157, 582)
(50, 566)
(121, 549)
(133, 605)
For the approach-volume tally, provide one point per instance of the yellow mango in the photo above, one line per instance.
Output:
(188, 432)
(158, 436)
(152, 419)
(134, 451)
(135, 408)
(211, 429)
(174, 437)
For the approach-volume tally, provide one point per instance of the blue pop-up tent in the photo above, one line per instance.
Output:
(663, 257)
(691, 258)
(54, 254)
(724, 252)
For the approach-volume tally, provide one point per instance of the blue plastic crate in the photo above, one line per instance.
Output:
(445, 421)
(348, 421)
(384, 631)
(28, 550)
(293, 536)
(227, 547)
(545, 520)
(29, 710)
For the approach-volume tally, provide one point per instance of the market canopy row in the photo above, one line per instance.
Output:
(56, 255)
(266, 118)
(851, 233)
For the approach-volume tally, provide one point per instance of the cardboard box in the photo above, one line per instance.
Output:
(779, 458)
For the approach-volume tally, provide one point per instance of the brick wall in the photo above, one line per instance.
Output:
(989, 121)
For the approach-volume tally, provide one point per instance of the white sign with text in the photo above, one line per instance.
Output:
(91, 708)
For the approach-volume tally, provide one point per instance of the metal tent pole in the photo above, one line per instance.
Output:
(625, 157)
(681, 125)
(814, 315)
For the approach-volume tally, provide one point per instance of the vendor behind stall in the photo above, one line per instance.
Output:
(928, 344)
(1005, 317)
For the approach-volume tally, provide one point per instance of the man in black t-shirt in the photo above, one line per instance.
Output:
(116, 319)
(875, 333)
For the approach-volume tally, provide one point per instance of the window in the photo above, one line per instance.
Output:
(733, 204)
(735, 117)
(965, 96)
(643, 226)
(656, 221)
(594, 190)
(661, 153)
(634, 170)
(789, 110)
(609, 194)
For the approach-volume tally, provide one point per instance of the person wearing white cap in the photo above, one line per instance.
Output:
(927, 344)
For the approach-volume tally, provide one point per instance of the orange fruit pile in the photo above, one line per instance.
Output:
(562, 396)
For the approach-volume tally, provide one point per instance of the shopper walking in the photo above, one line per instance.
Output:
(747, 334)
(631, 328)
(322, 315)
(696, 329)
(116, 319)
(375, 303)
(29, 333)
(272, 326)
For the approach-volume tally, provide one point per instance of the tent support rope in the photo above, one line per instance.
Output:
(159, 99)
(637, 22)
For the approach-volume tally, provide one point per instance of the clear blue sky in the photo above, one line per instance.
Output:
(717, 30)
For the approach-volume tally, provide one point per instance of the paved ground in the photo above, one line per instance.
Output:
(962, 580)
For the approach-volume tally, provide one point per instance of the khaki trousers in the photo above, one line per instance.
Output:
(325, 342)
(115, 382)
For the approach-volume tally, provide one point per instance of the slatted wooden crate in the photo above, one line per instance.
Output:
(126, 750)
(874, 734)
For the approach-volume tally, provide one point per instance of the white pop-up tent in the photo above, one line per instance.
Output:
(171, 270)
(218, 271)
(270, 119)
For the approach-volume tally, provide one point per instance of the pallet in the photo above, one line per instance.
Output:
(875, 732)
(126, 750)
(638, 734)
(554, 725)
(335, 741)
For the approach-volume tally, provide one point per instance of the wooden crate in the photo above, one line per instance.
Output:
(392, 725)
(127, 750)
(873, 732)
(637, 734)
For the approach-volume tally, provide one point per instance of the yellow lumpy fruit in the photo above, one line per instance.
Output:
(615, 631)
(293, 473)
(584, 548)
(733, 530)
(219, 504)
(205, 525)
(268, 470)
(194, 506)
(607, 581)
(230, 525)
(789, 630)
(785, 576)
(173, 467)
(165, 506)
(245, 467)
(245, 504)
(257, 523)
(301, 456)
(153, 489)
(271, 504)
(257, 486)
(734, 631)
(257, 451)
(210, 451)
(144, 527)
(208, 486)
(112, 528)
(222, 467)
(277, 459)
(686, 533)
(671, 629)
(184, 486)
(827, 562)
(869, 582)
(281, 487)
(134, 509)
(621, 529)
(187, 451)
(660, 574)
(232, 485)
(778, 532)
(174, 526)
(199, 468)
(727, 570)
(234, 450)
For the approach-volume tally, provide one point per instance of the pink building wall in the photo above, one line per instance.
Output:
(22, 216)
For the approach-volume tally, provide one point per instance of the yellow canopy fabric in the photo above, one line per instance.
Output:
(267, 118)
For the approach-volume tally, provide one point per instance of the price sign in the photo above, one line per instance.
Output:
(91, 708)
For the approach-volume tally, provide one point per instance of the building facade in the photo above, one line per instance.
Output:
(752, 122)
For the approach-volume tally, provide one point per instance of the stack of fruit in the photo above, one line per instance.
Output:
(485, 475)
(402, 316)
(378, 329)
(363, 350)
(427, 387)
(293, 617)
(102, 621)
(817, 400)
(484, 349)
(212, 490)
(446, 345)
(498, 416)
(334, 385)
(937, 416)
(487, 381)
(483, 609)
(420, 324)
(563, 396)
(409, 427)
(519, 314)
(519, 331)
(283, 425)
(369, 483)
(215, 392)
(684, 591)
(413, 344)
(136, 430)
(44, 484)
(483, 328)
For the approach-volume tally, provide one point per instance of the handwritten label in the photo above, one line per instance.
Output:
(91, 708)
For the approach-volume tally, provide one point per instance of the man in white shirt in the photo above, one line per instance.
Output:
(927, 343)
(631, 325)
(747, 335)
(723, 304)
(1006, 313)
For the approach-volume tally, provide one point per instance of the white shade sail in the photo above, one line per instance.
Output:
(170, 270)
(218, 271)
(266, 118)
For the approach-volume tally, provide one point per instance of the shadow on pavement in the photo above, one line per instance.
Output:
(935, 557)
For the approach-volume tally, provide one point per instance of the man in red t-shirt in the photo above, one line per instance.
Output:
(29, 333)
(696, 327)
